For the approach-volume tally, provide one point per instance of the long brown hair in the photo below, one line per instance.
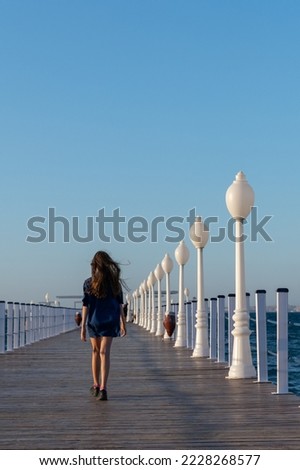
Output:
(105, 276)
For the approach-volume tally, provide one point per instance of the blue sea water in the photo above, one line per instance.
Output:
(293, 348)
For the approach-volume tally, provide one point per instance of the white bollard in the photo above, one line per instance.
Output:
(261, 336)
(231, 307)
(221, 328)
(213, 329)
(282, 341)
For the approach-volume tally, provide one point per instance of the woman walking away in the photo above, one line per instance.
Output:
(102, 315)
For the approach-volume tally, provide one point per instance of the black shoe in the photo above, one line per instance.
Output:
(102, 395)
(94, 390)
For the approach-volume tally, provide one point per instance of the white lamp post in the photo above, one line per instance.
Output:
(148, 327)
(182, 256)
(159, 274)
(167, 265)
(134, 305)
(152, 280)
(128, 300)
(199, 237)
(141, 315)
(239, 200)
(145, 287)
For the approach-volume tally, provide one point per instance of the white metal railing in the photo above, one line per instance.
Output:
(220, 344)
(23, 324)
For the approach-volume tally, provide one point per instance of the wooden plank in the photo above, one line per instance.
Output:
(159, 398)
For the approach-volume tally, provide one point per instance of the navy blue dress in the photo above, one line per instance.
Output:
(104, 314)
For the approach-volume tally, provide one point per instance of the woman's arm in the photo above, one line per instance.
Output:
(85, 311)
(122, 321)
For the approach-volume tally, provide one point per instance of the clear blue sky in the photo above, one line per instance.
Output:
(151, 107)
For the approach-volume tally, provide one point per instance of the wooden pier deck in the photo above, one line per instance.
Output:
(159, 398)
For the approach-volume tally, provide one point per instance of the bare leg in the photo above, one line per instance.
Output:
(96, 343)
(105, 346)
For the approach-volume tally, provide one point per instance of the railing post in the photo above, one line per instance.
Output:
(33, 323)
(221, 328)
(65, 314)
(248, 302)
(189, 325)
(59, 320)
(52, 320)
(22, 325)
(206, 303)
(36, 322)
(261, 336)
(194, 320)
(213, 329)
(9, 327)
(2, 326)
(48, 320)
(27, 324)
(44, 321)
(231, 307)
(16, 325)
(41, 323)
(282, 341)
(175, 307)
